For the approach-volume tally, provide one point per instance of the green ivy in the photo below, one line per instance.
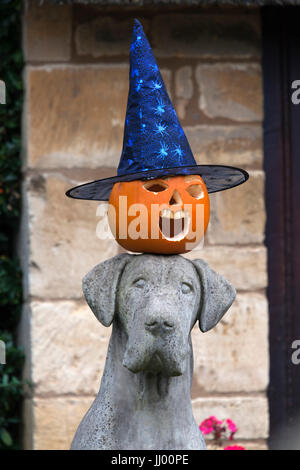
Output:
(11, 394)
(10, 114)
(11, 64)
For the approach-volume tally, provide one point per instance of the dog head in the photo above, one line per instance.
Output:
(157, 300)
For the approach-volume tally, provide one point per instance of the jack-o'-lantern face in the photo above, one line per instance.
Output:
(166, 215)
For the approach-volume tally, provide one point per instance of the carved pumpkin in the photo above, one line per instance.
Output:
(165, 215)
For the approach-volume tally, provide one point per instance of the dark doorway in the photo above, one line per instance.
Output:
(281, 67)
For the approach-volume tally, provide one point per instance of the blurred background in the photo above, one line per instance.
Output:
(227, 67)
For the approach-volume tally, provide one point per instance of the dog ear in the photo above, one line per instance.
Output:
(100, 287)
(217, 295)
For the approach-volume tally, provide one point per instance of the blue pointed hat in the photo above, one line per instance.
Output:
(154, 144)
(153, 136)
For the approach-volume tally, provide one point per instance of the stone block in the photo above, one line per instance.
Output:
(239, 146)
(79, 121)
(55, 421)
(183, 82)
(206, 35)
(68, 348)
(184, 89)
(249, 413)
(238, 215)
(234, 356)
(230, 91)
(244, 267)
(62, 244)
(248, 445)
(47, 32)
(103, 36)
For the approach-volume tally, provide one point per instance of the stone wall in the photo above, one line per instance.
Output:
(76, 82)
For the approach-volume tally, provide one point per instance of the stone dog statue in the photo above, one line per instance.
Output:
(153, 302)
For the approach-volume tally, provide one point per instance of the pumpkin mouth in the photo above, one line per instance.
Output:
(174, 226)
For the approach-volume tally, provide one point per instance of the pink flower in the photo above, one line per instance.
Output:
(234, 448)
(231, 425)
(211, 424)
(206, 426)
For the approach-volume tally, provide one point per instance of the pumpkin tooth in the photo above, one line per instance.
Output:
(179, 215)
(167, 214)
(177, 227)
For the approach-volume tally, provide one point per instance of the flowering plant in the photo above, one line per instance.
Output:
(220, 430)
(234, 448)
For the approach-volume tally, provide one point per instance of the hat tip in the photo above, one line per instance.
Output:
(137, 23)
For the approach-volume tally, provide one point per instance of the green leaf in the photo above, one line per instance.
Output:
(6, 437)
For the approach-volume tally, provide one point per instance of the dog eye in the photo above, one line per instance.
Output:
(140, 283)
(186, 288)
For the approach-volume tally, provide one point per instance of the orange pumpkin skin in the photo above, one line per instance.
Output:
(180, 193)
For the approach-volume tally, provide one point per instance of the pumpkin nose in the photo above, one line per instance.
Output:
(175, 198)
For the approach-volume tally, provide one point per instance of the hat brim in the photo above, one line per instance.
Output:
(216, 178)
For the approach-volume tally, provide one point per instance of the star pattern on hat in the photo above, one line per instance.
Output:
(153, 136)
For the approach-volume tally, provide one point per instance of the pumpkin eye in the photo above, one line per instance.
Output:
(196, 191)
(155, 187)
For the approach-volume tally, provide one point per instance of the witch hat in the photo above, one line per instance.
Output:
(154, 143)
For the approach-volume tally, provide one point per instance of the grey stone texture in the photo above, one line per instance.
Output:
(153, 302)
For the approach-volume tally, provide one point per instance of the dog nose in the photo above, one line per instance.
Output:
(159, 326)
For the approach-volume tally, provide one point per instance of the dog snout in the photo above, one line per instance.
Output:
(158, 326)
